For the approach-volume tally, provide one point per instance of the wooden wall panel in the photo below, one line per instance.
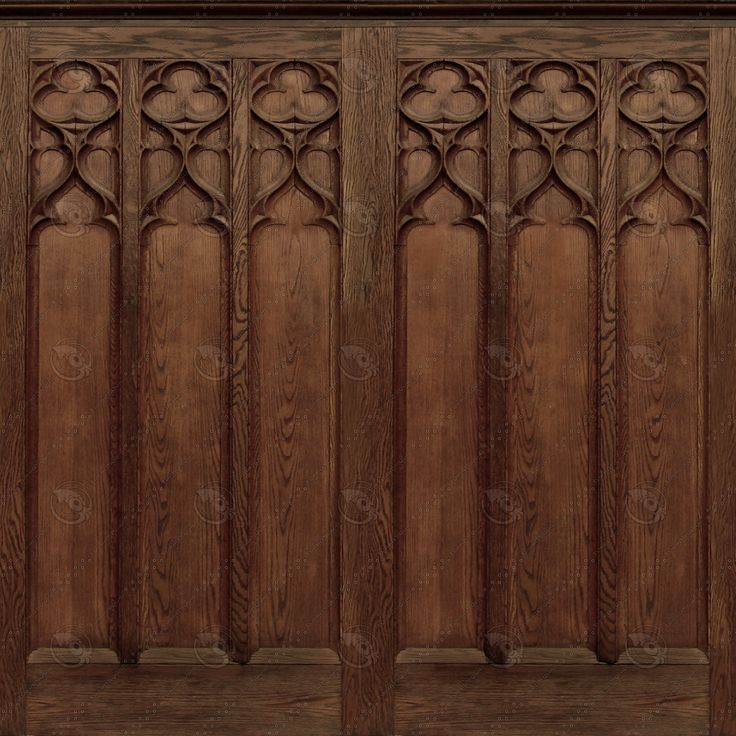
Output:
(367, 452)
(151, 700)
(185, 175)
(13, 479)
(74, 236)
(441, 277)
(662, 283)
(553, 185)
(294, 291)
(722, 397)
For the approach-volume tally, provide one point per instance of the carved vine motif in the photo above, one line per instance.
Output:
(663, 143)
(295, 139)
(553, 107)
(185, 115)
(75, 118)
(443, 116)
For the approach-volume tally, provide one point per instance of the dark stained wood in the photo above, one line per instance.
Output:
(368, 8)
(722, 398)
(239, 407)
(183, 699)
(555, 41)
(608, 644)
(13, 540)
(499, 502)
(437, 700)
(214, 42)
(442, 272)
(293, 292)
(74, 235)
(366, 395)
(662, 252)
(129, 509)
(184, 372)
(553, 217)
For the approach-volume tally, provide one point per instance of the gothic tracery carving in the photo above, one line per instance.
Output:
(295, 113)
(75, 119)
(553, 108)
(443, 117)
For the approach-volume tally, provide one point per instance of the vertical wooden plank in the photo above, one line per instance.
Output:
(554, 200)
(722, 399)
(185, 223)
(239, 442)
(14, 150)
(366, 428)
(129, 506)
(74, 250)
(608, 547)
(443, 251)
(661, 259)
(293, 265)
(500, 503)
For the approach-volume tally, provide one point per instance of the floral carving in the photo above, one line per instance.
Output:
(185, 109)
(75, 117)
(663, 143)
(295, 140)
(553, 108)
(443, 134)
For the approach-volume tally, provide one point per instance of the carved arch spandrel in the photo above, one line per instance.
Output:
(553, 109)
(186, 134)
(443, 108)
(295, 110)
(663, 120)
(66, 136)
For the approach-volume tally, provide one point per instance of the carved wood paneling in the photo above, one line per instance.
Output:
(663, 234)
(553, 233)
(74, 231)
(442, 232)
(184, 230)
(293, 274)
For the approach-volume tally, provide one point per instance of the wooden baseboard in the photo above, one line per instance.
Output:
(155, 700)
(438, 700)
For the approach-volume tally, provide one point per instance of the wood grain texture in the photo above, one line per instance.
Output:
(553, 183)
(439, 700)
(722, 398)
(609, 549)
(185, 201)
(74, 234)
(13, 479)
(129, 510)
(367, 380)
(499, 503)
(441, 274)
(217, 42)
(240, 458)
(162, 700)
(662, 260)
(550, 42)
(368, 9)
(293, 274)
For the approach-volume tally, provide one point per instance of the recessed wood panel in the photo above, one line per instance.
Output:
(663, 239)
(293, 273)
(442, 236)
(553, 185)
(74, 234)
(185, 500)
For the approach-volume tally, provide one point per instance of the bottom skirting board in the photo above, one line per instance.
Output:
(533, 700)
(182, 700)
(430, 699)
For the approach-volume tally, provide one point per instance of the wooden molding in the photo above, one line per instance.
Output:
(365, 9)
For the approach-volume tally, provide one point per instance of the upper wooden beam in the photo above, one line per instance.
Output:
(365, 8)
